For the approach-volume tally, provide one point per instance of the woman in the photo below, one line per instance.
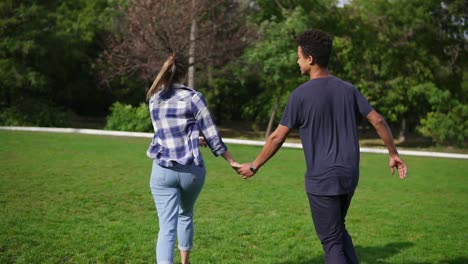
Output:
(178, 114)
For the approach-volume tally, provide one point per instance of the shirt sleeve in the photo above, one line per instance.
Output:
(364, 106)
(291, 113)
(207, 125)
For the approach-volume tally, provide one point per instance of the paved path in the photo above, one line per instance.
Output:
(226, 140)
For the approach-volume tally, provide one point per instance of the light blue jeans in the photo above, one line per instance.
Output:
(175, 191)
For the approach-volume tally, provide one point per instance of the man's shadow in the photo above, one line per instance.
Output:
(379, 254)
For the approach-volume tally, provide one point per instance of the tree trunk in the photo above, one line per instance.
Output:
(272, 118)
(401, 136)
(193, 35)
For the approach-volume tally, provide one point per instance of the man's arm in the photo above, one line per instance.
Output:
(386, 135)
(272, 144)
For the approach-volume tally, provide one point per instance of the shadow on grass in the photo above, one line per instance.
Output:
(365, 254)
(460, 260)
(379, 254)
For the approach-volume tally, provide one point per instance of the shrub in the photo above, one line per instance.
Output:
(128, 118)
(32, 113)
(447, 128)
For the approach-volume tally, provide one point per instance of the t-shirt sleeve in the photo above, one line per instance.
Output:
(291, 113)
(364, 106)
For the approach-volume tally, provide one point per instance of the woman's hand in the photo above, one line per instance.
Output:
(234, 164)
(202, 142)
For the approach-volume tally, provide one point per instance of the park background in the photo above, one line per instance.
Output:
(79, 63)
(88, 64)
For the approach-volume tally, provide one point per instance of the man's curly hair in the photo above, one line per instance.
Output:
(317, 44)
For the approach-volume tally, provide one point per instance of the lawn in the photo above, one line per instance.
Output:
(68, 198)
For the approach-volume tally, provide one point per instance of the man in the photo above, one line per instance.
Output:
(325, 110)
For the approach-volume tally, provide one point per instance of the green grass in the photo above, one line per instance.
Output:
(67, 198)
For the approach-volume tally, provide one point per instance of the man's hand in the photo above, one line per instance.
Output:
(244, 171)
(396, 162)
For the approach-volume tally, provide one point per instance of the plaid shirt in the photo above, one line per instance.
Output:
(178, 115)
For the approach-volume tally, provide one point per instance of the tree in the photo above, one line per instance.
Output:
(213, 31)
(390, 50)
(20, 42)
(274, 55)
(393, 48)
(273, 10)
(46, 54)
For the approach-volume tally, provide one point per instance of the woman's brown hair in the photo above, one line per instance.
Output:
(174, 69)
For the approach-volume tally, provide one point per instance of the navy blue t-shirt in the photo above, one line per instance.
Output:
(325, 111)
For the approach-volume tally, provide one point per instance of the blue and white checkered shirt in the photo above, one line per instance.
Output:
(178, 115)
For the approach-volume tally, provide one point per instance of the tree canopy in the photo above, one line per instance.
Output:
(407, 57)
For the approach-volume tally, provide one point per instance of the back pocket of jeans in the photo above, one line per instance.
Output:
(158, 175)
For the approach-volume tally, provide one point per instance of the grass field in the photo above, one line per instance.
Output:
(67, 198)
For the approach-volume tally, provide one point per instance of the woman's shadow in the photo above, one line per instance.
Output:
(378, 254)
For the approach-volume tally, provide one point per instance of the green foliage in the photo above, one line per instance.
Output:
(47, 50)
(23, 28)
(32, 113)
(447, 122)
(390, 49)
(447, 127)
(228, 93)
(407, 57)
(68, 198)
(274, 56)
(275, 10)
(128, 118)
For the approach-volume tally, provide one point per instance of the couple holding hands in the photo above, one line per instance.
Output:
(325, 109)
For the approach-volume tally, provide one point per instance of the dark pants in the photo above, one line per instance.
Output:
(328, 215)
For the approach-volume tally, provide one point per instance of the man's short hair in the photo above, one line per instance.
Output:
(317, 44)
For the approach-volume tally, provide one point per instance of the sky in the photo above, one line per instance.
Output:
(342, 2)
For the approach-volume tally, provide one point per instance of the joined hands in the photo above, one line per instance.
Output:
(244, 171)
